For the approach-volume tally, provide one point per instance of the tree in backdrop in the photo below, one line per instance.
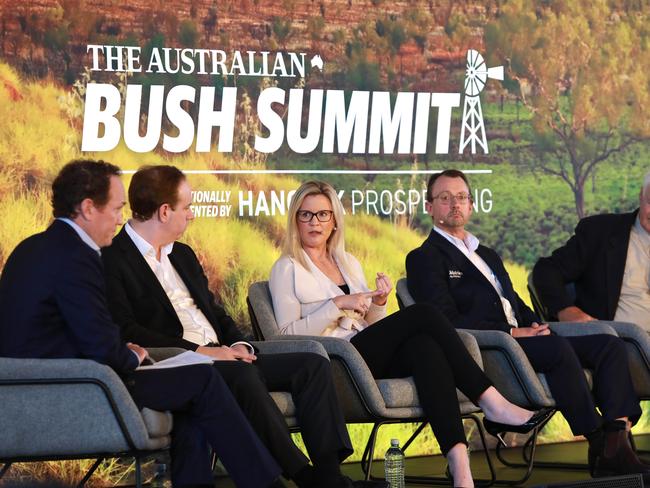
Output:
(581, 68)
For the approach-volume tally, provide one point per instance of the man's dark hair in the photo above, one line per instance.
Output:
(449, 173)
(78, 180)
(151, 187)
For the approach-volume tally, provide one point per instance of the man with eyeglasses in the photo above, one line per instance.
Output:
(469, 283)
(158, 293)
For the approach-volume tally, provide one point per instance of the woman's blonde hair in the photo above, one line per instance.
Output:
(292, 246)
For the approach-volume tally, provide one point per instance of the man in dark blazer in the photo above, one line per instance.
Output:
(52, 297)
(469, 283)
(158, 293)
(608, 261)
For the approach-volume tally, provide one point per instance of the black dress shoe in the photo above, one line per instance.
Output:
(617, 457)
(538, 418)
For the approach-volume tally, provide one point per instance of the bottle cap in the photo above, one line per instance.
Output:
(394, 443)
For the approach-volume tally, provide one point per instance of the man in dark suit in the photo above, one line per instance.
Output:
(158, 293)
(608, 261)
(469, 283)
(52, 297)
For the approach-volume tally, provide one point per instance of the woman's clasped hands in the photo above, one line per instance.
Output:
(359, 302)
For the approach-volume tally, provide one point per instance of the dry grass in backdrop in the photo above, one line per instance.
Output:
(41, 131)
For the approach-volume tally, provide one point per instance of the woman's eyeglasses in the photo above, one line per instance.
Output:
(322, 215)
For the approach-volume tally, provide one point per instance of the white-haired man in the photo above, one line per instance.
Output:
(608, 261)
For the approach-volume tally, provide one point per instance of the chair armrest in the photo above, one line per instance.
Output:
(290, 345)
(634, 334)
(568, 329)
(506, 364)
(160, 353)
(637, 342)
(71, 405)
(346, 353)
(472, 346)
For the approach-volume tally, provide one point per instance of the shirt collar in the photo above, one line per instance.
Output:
(640, 231)
(82, 234)
(470, 243)
(143, 246)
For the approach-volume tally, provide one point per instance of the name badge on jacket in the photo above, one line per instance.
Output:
(455, 274)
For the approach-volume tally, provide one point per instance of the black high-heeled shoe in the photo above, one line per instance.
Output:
(497, 428)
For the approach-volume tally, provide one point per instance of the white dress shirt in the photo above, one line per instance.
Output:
(196, 327)
(634, 300)
(468, 247)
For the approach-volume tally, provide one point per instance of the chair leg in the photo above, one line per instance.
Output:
(213, 460)
(439, 480)
(528, 452)
(369, 451)
(138, 473)
(4, 469)
(530, 460)
(414, 436)
(90, 472)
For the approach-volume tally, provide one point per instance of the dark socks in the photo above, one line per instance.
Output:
(614, 425)
(595, 439)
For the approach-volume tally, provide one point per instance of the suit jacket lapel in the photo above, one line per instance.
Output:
(616, 255)
(142, 270)
(501, 275)
(459, 259)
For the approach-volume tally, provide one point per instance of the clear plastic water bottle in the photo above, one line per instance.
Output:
(394, 465)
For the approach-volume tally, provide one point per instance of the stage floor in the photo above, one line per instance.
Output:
(568, 452)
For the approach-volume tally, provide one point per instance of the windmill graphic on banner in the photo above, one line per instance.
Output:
(476, 74)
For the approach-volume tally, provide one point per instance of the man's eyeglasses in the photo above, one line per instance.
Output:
(446, 197)
(321, 215)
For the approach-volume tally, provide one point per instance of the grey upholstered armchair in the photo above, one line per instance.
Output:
(55, 409)
(509, 369)
(636, 339)
(283, 399)
(363, 398)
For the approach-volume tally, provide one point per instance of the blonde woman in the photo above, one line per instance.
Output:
(319, 289)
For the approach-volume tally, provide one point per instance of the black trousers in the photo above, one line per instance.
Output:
(308, 378)
(562, 359)
(419, 341)
(205, 414)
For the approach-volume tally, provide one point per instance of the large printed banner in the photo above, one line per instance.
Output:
(540, 103)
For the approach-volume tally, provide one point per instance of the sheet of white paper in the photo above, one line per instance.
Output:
(187, 358)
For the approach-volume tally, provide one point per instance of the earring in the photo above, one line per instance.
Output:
(335, 227)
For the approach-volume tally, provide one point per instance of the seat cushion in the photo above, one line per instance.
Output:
(285, 404)
(401, 392)
(159, 424)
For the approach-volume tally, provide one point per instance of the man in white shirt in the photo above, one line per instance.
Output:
(159, 294)
(469, 284)
(608, 262)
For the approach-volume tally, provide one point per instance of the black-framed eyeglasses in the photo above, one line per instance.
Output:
(446, 197)
(322, 215)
